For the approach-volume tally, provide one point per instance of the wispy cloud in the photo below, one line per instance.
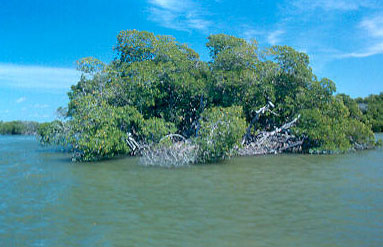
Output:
(331, 5)
(263, 36)
(250, 33)
(37, 77)
(326, 30)
(373, 26)
(275, 37)
(40, 106)
(183, 15)
(38, 116)
(21, 100)
(372, 31)
(373, 50)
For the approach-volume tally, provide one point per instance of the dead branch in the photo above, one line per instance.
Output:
(178, 153)
(172, 136)
(134, 146)
(275, 141)
(258, 113)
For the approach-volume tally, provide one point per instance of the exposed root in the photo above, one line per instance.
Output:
(175, 150)
(258, 113)
(272, 142)
(175, 153)
(134, 146)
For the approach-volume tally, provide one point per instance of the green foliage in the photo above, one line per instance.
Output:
(219, 43)
(154, 129)
(234, 79)
(90, 65)
(329, 128)
(353, 108)
(372, 107)
(45, 132)
(293, 82)
(159, 76)
(221, 130)
(156, 86)
(361, 136)
(99, 130)
(53, 133)
(18, 128)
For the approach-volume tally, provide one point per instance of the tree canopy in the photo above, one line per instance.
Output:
(372, 108)
(156, 86)
(18, 128)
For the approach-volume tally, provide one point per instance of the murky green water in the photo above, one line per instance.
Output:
(285, 200)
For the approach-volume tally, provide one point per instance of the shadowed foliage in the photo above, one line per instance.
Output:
(156, 86)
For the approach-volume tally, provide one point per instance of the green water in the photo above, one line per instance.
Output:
(283, 200)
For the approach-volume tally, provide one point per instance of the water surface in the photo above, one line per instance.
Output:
(282, 200)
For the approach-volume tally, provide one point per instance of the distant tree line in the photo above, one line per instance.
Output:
(261, 100)
(18, 128)
(372, 109)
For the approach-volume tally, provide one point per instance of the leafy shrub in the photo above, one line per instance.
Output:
(18, 128)
(154, 129)
(54, 133)
(99, 130)
(329, 128)
(222, 128)
(373, 110)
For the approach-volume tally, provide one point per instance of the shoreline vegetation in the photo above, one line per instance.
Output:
(159, 101)
(19, 127)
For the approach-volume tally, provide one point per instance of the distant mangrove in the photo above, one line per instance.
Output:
(18, 128)
(372, 109)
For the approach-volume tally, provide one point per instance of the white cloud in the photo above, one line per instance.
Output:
(372, 31)
(199, 24)
(251, 33)
(39, 116)
(168, 4)
(363, 39)
(331, 5)
(275, 37)
(373, 50)
(373, 26)
(37, 77)
(21, 100)
(183, 15)
(40, 106)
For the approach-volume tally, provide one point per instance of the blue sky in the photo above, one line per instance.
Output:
(41, 40)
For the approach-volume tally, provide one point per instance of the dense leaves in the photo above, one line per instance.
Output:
(54, 133)
(18, 128)
(221, 130)
(372, 108)
(156, 86)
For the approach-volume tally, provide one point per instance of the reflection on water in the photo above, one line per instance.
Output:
(283, 200)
